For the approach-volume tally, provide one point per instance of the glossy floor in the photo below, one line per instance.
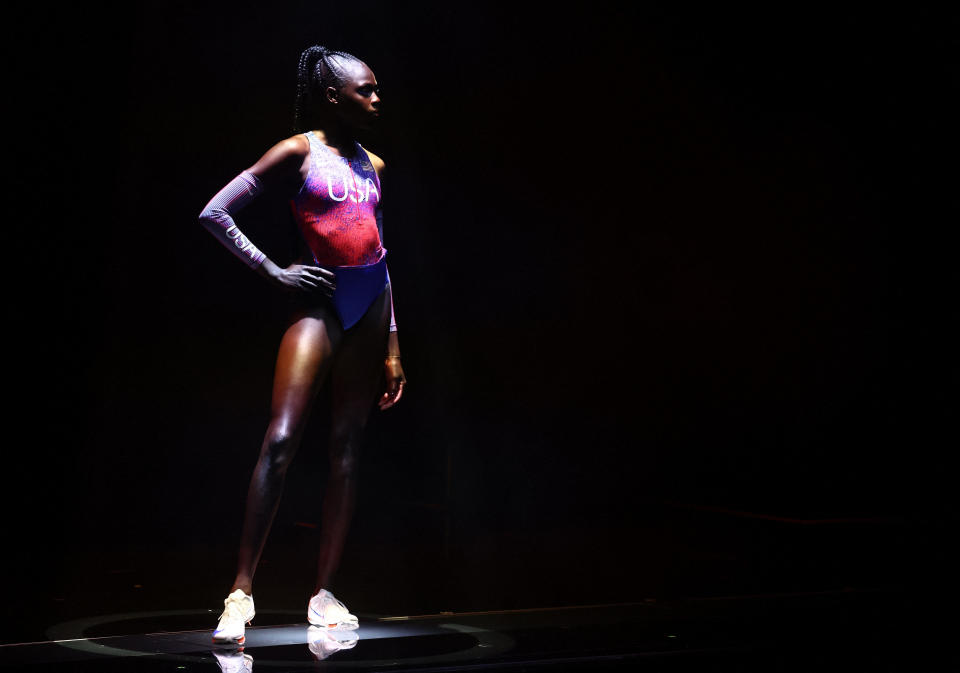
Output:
(852, 630)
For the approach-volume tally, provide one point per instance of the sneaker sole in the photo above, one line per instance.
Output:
(228, 641)
(338, 625)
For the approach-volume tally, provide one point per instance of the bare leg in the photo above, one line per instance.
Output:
(306, 356)
(357, 382)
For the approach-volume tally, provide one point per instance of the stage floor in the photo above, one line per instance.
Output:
(830, 630)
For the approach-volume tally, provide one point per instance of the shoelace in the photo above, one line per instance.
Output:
(232, 607)
(326, 600)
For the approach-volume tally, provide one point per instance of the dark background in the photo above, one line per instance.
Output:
(644, 262)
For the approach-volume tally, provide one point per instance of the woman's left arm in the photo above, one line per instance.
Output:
(393, 369)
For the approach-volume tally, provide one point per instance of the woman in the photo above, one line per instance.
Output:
(341, 322)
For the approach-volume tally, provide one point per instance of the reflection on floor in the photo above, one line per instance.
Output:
(823, 630)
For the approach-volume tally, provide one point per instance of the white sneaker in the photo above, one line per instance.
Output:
(237, 609)
(234, 662)
(323, 642)
(326, 611)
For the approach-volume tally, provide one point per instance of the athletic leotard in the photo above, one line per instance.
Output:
(335, 208)
(336, 212)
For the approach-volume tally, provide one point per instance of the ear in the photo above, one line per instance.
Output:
(331, 94)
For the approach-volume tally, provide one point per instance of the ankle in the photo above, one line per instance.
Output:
(245, 587)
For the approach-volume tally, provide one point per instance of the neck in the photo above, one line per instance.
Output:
(336, 135)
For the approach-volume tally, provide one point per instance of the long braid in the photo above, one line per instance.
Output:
(318, 69)
(308, 61)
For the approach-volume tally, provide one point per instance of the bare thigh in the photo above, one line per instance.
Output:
(358, 377)
(307, 352)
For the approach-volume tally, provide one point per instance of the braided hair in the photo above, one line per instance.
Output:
(319, 68)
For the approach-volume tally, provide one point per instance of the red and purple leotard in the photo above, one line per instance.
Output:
(335, 208)
(337, 212)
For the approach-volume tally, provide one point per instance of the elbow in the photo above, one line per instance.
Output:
(212, 216)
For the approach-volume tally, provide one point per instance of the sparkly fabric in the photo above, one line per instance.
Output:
(336, 208)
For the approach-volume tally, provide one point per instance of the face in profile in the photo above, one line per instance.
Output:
(358, 100)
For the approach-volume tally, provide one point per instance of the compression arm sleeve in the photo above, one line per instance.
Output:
(393, 320)
(216, 217)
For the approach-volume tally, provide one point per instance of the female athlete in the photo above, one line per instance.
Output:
(341, 324)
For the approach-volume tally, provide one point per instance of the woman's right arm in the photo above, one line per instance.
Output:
(278, 167)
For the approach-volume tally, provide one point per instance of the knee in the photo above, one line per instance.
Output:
(278, 450)
(345, 451)
(344, 465)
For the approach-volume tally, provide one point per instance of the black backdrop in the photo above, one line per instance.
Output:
(638, 255)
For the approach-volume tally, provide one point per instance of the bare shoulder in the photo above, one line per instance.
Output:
(287, 154)
(376, 161)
